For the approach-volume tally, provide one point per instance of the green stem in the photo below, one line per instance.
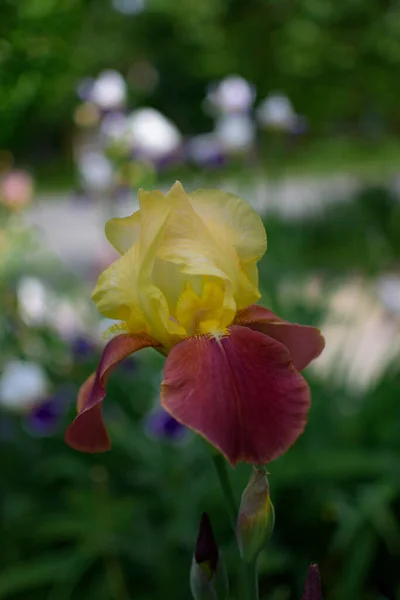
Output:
(223, 476)
(249, 570)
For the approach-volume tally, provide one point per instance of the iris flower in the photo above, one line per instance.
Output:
(186, 284)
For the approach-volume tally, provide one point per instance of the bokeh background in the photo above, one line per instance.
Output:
(293, 106)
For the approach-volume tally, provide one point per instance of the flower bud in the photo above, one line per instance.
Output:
(312, 585)
(208, 579)
(256, 516)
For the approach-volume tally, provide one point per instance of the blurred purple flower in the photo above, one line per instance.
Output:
(161, 425)
(166, 162)
(82, 348)
(46, 418)
(206, 151)
(300, 125)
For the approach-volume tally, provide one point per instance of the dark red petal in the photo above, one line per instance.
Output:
(303, 342)
(88, 433)
(241, 393)
(84, 392)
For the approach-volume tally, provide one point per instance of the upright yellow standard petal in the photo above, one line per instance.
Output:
(235, 224)
(189, 243)
(123, 233)
(233, 221)
(125, 290)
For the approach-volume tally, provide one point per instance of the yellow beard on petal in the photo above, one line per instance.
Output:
(115, 329)
(211, 312)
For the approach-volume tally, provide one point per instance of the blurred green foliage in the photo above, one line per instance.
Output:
(337, 60)
(123, 525)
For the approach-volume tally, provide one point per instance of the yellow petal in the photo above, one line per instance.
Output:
(233, 221)
(115, 294)
(237, 225)
(125, 290)
(188, 242)
(168, 277)
(187, 264)
(154, 212)
(210, 312)
(123, 233)
(247, 292)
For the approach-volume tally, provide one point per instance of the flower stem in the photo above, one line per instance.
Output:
(225, 483)
(249, 570)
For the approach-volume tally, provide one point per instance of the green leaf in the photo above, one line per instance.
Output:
(44, 571)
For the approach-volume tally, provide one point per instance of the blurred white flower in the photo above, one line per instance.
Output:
(66, 319)
(33, 300)
(153, 135)
(109, 90)
(22, 384)
(235, 132)
(362, 336)
(276, 111)
(95, 169)
(389, 292)
(232, 94)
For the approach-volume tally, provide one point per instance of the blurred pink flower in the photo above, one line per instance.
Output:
(16, 189)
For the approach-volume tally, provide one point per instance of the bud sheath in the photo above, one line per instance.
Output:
(256, 516)
(208, 580)
(312, 585)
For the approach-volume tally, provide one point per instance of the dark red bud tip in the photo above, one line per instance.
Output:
(312, 585)
(206, 549)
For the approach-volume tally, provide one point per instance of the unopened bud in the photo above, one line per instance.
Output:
(312, 585)
(256, 516)
(208, 579)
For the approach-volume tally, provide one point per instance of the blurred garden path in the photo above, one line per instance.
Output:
(73, 228)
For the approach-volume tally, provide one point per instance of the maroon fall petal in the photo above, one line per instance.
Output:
(87, 432)
(241, 392)
(305, 343)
